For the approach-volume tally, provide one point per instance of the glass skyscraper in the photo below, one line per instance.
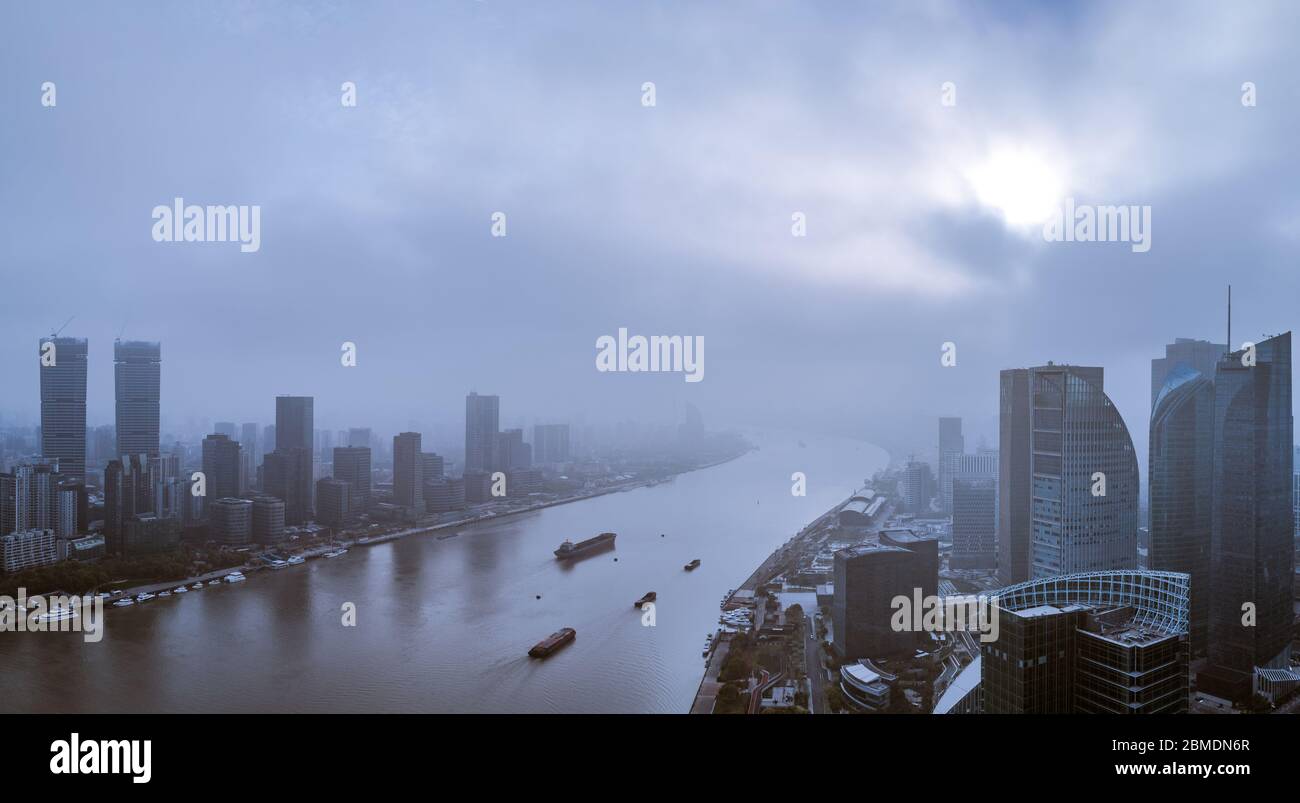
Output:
(1180, 484)
(63, 404)
(1068, 476)
(1252, 542)
(137, 372)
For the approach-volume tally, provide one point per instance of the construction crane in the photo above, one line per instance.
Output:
(56, 332)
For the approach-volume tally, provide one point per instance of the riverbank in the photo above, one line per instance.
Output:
(347, 541)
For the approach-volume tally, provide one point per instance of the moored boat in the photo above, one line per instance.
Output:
(650, 596)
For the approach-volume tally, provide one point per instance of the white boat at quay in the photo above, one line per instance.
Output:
(122, 603)
(235, 577)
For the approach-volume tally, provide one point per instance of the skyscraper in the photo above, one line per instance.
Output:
(1251, 542)
(352, 465)
(1068, 484)
(221, 465)
(550, 443)
(63, 404)
(974, 523)
(408, 471)
(294, 422)
(294, 442)
(482, 419)
(511, 451)
(137, 378)
(1180, 487)
(1200, 355)
(951, 446)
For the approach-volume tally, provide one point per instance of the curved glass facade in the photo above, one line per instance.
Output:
(1160, 598)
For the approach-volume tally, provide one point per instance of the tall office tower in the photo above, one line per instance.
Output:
(359, 437)
(165, 478)
(482, 419)
(101, 446)
(137, 377)
(1097, 642)
(63, 404)
(511, 451)
(268, 442)
(294, 428)
(1251, 541)
(248, 441)
(285, 472)
(1295, 493)
(227, 428)
(867, 578)
(433, 466)
(332, 498)
(551, 443)
(221, 464)
(231, 520)
(951, 446)
(917, 487)
(1199, 355)
(974, 524)
(294, 422)
(326, 449)
(408, 471)
(352, 465)
(267, 520)
(1068, 484)
(1180, 487)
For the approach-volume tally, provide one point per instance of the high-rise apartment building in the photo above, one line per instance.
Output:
(482, 420)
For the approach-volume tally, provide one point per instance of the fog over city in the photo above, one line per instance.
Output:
(923, 219)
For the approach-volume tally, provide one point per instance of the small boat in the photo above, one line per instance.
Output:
(143, 595)
(235, 577)
(297, 559)
(162, 594)
(214, 582)
(447, 535)
(650, 596)
(279, 564)
(179, 590)
(57, 615)
(692, 566)
(122, 603)
(553, 642)
(334, 553)
(197, 586)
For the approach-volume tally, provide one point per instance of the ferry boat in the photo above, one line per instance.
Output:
(692, 566)
(143, 595)
(650, 596)
(57, 615)
(122, 603)
(235, 577)
(334, 553)
(569, 550)
(553, 642)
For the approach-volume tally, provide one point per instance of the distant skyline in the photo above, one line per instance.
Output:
(921, 219)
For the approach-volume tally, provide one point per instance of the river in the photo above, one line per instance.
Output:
(444, 625)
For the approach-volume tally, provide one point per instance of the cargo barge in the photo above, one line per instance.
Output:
(569, 550)
(553, 642)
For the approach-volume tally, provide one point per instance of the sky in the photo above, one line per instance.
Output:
(923, 143)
